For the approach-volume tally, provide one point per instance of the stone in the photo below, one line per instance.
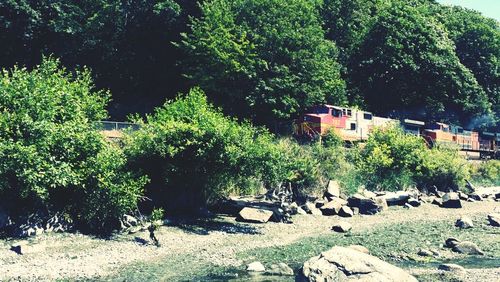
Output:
(360, 248)
(462, 196)
(301, 211)
(332, 207)
(467, 248)
(427, 199)
(129, 220)
(342, 227)
(355, 210)
(281, 269)
(475, 196)
(256, 266)
(343, 264)
(355, 200)
(345, 211)
(333, 189)
(414, 202)
(451, 242)
(320, 203)
(255, 215)
(396, 198)
(494, 219)
(408, 206)
(464, 222)
(372, 206)
(425, 253)
(293, 208)
(437, 201)
(16, 249)
(450, 267)
(311, 209)
(451, 200)
(369, 194)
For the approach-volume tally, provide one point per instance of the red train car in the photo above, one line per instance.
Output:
(320, 120)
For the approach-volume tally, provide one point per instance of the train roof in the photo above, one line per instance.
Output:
(414, 122)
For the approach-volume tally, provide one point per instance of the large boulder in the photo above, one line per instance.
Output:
(255, 215)
(355, 200)
(372, 206)
(256, 266)
(333, 189)
(343, 264)
(396, 198)
(451, 200)
(333, 207)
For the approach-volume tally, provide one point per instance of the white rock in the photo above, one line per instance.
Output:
(256, 266)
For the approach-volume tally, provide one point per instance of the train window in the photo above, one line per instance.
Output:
(353, 126)
(349, 112)
(367, 116)
(336, 113)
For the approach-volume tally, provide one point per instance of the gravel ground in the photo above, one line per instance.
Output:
(76, 256)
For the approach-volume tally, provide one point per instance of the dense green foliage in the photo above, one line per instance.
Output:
(51, 156)
(486, 173)
(195, 155)
(263, 59)
(393, 160)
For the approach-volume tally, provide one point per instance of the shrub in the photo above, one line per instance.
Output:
(51, 156)
(486, 173)
(390, 158)
(195, 155)
(443, 168)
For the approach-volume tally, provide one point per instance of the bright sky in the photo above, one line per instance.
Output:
(489, 8)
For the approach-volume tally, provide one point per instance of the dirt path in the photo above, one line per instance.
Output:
(75, 256)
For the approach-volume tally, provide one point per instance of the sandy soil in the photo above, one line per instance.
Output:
(76, 256)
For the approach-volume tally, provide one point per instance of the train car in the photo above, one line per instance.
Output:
(465, 139)
(320, 120)
(414, 127)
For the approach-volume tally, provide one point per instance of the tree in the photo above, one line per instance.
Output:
(264, 60)
(408, 64)
(52, 157)
(477, 41)
(126, 43)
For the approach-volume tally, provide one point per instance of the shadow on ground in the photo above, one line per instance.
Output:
(203, 226)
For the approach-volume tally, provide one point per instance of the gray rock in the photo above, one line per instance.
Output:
(311, 209)
(462, 196)
(342, 227)
(360, 248)
(256, 266)
(129, 220)
(475, 196)
(494, 219)
(414, 202)
(255, 215)
(437, 201)
(464, 222)
(281, 269)
(408, 206)
(301, 211)
(369, 194)
(333, 189)
(355, 200)
(451, 200)
(372, 206)
(396, 198)
(355, 210)
(345, 211)
(333, 207)
(451, 242)
(425, 253)
(342, 264)
(450, 267)
(467, 248)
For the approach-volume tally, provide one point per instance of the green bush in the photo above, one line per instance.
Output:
(393, 160)
(195, 155)
(52, 158)
(486, 173)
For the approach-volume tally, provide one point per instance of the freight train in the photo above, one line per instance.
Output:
(354, 125)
